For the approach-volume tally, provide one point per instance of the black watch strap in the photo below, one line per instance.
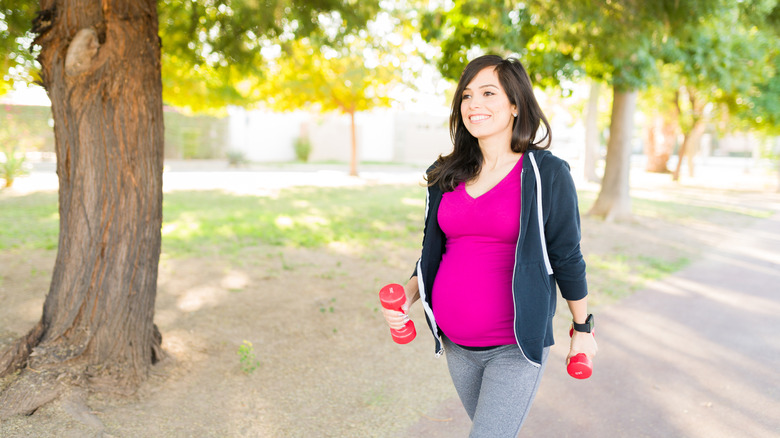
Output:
(587, 327)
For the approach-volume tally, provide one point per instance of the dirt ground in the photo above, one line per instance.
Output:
(327, 366)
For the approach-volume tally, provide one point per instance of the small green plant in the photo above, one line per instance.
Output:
(236, 158)
(302, 147)
(13, 166)
(330, 307)
(247, 358)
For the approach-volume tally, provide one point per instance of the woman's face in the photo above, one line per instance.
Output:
(485, 107)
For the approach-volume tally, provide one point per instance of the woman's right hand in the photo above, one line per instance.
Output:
(395, 319)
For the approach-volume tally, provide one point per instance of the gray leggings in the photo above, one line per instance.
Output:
(496, 387)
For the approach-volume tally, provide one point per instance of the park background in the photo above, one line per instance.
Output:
(280, 221)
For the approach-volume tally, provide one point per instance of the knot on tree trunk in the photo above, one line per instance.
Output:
(81, 52)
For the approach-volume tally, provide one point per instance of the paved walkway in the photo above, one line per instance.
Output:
(694, 355)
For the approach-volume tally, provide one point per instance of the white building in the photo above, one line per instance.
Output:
(382, 135)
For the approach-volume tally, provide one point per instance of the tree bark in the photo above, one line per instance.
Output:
(614, 200)
(353, 171)
(592, 133)
(101, 68)
(691, 138)
(661, 138)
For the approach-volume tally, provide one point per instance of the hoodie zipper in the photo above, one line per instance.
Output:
(517, 246)
(540, 215)
(421, 287)
(428, 310)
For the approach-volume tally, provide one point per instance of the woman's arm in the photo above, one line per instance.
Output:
(581, 342)
(412, 289)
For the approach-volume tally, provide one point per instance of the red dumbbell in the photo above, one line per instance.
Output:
(393, 297)
(580, 366)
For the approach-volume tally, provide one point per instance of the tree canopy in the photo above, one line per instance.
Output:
(17, 63)
(214, 53)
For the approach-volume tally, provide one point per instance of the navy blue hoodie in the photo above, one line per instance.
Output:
(544, 255)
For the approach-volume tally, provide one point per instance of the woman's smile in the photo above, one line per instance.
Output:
(477, 118)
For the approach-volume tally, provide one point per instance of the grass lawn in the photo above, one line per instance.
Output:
(663, 237)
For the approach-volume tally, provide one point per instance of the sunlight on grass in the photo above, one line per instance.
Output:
(305, 216)
(313, 221)
(615, 276)
(678, 207)
(413, 202)
(350, 220)
(284, 222)
(29, 222)
(684, 209)
(185, 227)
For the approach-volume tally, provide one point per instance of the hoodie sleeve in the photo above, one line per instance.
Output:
(562, 231)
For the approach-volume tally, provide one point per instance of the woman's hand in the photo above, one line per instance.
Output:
(395, 319)
(582, 343)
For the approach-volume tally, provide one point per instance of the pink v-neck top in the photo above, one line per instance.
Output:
(472, 292)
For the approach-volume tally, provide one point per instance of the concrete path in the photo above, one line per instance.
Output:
(694, 355)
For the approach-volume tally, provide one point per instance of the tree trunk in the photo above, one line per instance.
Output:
(353, 171)
(592, 133)
(670, 132)
(101, 68)
(691, 138)
(614, 201)
(661, 138)
(651, 142)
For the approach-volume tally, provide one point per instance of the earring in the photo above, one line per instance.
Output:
(514, 115)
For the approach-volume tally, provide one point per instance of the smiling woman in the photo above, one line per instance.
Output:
(501, 230)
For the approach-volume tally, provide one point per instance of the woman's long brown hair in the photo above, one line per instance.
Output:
(465, 161)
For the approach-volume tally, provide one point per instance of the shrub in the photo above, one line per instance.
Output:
(247, 358)
(302, 149)
(236, 158)
(13, 166)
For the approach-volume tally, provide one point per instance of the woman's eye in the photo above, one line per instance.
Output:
(466, 96)
(489, 93)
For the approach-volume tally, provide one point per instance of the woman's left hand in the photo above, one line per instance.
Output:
(582, 343)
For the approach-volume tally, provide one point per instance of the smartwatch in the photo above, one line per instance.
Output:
(587, 327)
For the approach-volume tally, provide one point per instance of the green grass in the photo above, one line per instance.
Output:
(29, 222)
(300, 217)
(616, 276)
(200, 222)
(214, 223)
(680, 209)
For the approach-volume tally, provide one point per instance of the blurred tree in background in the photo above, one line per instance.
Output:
(353, 74)
(17, 63)
(716, 51)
